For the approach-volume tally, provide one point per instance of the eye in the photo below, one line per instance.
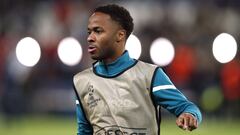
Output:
(98, 31)
(89, 32)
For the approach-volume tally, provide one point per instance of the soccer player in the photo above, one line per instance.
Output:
(120, 95)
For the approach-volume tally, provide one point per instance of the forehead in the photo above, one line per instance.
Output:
(100, 19)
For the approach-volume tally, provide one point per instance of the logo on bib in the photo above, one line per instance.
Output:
(92, 100)
(118, 130)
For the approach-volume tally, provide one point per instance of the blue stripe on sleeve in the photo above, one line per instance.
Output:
(166, 95)
(84, 128)
(161, 78)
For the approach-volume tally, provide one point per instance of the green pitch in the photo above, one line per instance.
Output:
(207, 127)
(46, 125)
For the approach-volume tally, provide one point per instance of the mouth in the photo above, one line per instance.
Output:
(92, 48)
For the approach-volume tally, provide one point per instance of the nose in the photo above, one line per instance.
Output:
(91, 38)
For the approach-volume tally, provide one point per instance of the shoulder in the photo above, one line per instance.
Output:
(81, 75)
(146, 69)
(145, 65)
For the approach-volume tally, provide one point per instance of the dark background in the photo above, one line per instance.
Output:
(191, 26)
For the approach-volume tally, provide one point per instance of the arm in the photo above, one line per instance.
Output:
(84, 127)
(166, 95)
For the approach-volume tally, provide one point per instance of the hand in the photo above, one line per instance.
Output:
(187, 121)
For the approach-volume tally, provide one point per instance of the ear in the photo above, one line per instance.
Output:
(121, 35)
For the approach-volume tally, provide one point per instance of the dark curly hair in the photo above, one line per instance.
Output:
(118, 14)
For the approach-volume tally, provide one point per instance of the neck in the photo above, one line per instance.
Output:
(116, 55)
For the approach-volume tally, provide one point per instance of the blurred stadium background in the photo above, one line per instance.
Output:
(37, 97)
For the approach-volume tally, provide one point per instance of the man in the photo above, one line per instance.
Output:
(120, 95)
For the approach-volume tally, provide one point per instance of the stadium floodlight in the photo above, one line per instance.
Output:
(224, 48)
(70, 51)
(28, 52)
(162, 51)
(133, 45)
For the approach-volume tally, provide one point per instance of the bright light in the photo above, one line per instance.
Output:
(224, 48)
(70, 51)
(28, 52)
(133, 45)
(162, 52)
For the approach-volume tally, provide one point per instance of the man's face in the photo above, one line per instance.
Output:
(102, 36)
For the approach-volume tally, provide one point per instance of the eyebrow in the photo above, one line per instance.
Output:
(94, 28)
